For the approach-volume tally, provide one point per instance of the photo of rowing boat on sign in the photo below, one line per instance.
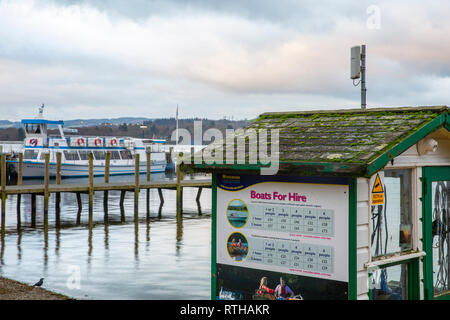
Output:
(237, 213)
(237, 246)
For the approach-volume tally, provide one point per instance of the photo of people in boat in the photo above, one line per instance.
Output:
(237, 246)
(241, 283)
(237, 213)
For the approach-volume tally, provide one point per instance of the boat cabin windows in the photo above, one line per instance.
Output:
(115, 155)
(30, 154)
(392, 221)
(126, 154)
(84, 155)
(71, 155)
(99, 155)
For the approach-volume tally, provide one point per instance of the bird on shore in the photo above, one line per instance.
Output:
(39, 283)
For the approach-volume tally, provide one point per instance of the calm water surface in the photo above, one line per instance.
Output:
(158, 257)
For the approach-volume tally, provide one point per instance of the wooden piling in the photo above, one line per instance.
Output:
(91, 189)
(3, 193)
(80, 207)
(58, 194)
(33, 210)
(122, 208)
(136, 185)
(46, 193)
(199, 193)
(20, 170)
(19, 196)
(161, 198)
(149, 155)
(106, 193)
(179, 187)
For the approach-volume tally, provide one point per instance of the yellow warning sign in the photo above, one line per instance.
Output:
(377, 186)
(377, 193)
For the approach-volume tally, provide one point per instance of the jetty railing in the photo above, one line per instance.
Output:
(46, 189)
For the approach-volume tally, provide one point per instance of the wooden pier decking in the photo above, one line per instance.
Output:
(45, 189)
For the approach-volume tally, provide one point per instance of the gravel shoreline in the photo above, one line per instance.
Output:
(14, 290)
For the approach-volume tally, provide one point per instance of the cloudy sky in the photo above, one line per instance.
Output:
(216, 58)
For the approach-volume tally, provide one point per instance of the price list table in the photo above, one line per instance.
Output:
(311, 221)
(292, 254)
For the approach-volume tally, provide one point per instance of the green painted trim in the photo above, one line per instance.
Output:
(379, 163)
(213, 236)
(352, 169)
(447, 123)
(430, 174)
(413, 280)
(352, 245)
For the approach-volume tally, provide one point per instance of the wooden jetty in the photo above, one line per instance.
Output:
(90, 188)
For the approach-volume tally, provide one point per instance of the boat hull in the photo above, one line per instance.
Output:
(35, 170)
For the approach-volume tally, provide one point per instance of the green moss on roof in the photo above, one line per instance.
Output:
(344, 136)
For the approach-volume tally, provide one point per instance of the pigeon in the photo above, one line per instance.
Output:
(39, 283)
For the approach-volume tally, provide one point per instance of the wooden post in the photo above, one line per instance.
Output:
(3, 193)
(122, 209)
(80, 207)
(20, 170)
(161, 198)
(58, 194)
(136, 185)
(199, 193)
(179, 188)
(46, 193)
(33, 210)
(106, 193)
(107, 165)
(91, 189)
(19, 196)
(149, 158)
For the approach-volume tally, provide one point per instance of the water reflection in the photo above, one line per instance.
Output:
(120, 259)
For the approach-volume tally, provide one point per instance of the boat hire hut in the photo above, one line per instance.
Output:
(358, 208)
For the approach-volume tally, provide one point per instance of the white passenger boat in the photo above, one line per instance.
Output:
(75, 151)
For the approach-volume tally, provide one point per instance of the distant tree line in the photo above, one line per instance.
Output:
(157, 128)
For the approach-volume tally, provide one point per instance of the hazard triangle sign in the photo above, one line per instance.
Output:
(377, 194)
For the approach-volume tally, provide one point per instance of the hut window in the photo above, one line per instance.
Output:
(392, 222)
(440, 203)
(390, 283)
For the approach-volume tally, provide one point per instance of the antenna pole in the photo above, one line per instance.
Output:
(363, 76)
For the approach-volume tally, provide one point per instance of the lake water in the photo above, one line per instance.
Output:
(159, 257)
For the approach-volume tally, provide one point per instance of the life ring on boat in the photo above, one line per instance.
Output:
(113, 142)
(80, 141)
(33, 142)
(98, 141)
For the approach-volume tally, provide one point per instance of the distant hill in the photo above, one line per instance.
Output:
(161, 128)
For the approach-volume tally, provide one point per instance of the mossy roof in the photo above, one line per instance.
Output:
(352, 142)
